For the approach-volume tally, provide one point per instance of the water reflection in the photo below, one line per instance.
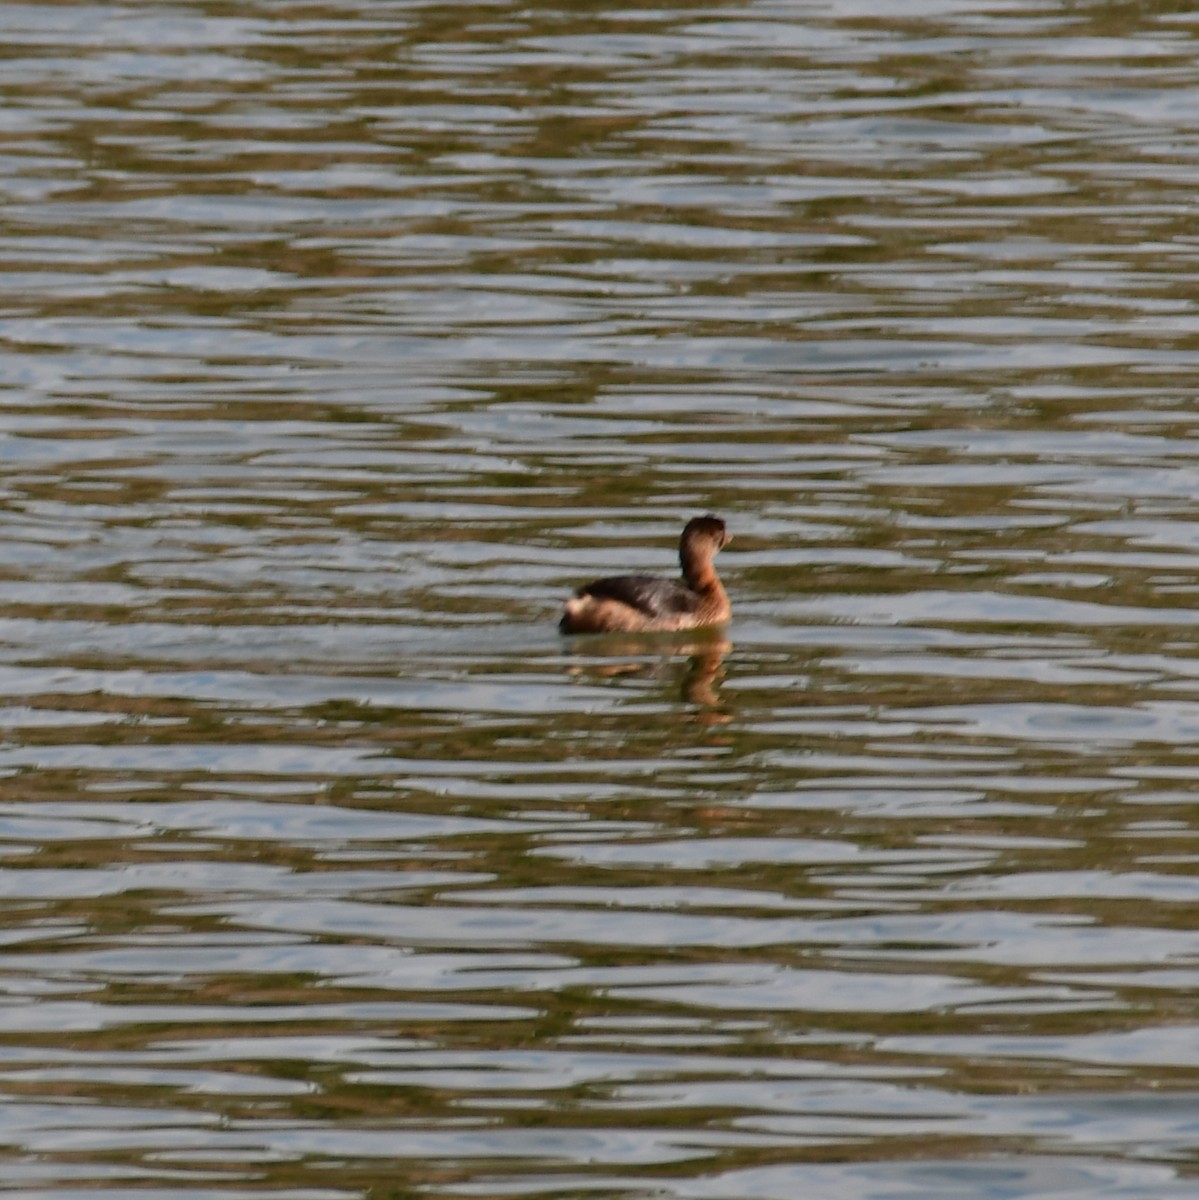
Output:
(697, 683)
(328, 869)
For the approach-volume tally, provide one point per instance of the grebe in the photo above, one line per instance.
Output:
(646, 604)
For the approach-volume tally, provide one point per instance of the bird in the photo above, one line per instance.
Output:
(648, 604)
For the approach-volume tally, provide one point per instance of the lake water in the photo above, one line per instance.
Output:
(339, 342)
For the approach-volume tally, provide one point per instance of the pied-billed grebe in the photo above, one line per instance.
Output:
(646, 604)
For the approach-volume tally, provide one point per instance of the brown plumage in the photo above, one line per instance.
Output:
(647, 604)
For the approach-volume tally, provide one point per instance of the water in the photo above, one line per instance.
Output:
(339, 342)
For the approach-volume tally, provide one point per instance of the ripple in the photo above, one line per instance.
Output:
(340, 345)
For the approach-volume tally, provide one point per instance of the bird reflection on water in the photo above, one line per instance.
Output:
(700, 678)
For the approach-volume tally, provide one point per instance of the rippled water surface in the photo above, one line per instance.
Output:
(339, 341)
